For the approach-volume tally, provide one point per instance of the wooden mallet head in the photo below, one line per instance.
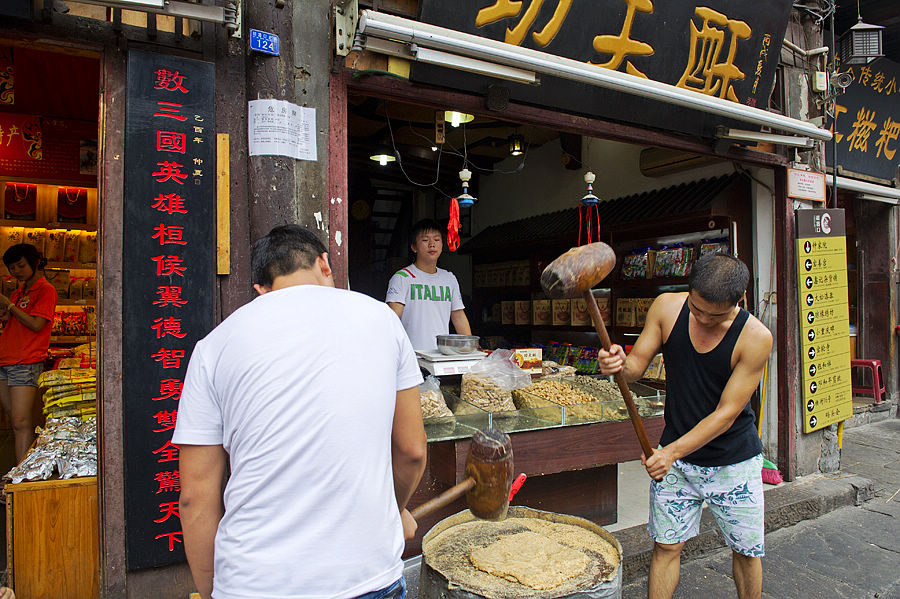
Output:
(573, 275)
(490, 465)
(489, 476)
(578, 270)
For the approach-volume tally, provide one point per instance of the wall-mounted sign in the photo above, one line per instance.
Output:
(723, 48)
(868, 122)
(267, 43)
(806, 185)
(824, 318)
(167, 281)
(280, 128)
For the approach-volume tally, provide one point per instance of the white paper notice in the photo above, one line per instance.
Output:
(279, 128)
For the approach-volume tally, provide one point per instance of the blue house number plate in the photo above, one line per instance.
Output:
(264, 42)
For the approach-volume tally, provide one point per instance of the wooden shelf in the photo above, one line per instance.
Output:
(73, 265)
(71, 338)
(75, 302)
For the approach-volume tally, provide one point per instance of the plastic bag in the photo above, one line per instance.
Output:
(432, 399)
(489, 382)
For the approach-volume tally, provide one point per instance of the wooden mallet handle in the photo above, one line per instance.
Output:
(445, 498)
(620, 378)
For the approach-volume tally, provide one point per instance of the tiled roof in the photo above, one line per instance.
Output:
(691, 197)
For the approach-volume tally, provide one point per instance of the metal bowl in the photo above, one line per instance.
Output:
(451, 345)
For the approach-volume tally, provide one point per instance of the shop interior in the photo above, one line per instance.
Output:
(658, 209)
(49, 106)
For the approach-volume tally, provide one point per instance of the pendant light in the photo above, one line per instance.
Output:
(382, 155)
(861, 44)
(464, 199)
(516, 144)
(456, 118)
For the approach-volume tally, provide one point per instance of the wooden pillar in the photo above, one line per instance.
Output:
(337, 180)
(787, 327)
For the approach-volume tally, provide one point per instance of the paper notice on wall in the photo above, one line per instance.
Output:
(280, 128)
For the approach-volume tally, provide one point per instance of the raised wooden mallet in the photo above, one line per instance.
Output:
(489, 476)
(573, 275)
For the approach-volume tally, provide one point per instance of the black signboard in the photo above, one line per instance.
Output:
(724, 48)
(169, 260)
(868, 122)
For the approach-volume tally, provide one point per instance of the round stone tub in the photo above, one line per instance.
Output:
(446, 571)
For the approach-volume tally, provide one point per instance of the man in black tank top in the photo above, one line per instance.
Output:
(714, 353)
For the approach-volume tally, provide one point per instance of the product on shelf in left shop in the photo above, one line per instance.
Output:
(60, 278)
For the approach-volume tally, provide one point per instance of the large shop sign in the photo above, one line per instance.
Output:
(723, 48)
(168, 280)
(868, 122)
(824, 318)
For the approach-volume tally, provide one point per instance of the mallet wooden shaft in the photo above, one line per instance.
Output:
(445, 498)
(600, 327)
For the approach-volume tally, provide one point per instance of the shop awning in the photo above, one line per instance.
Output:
(395, 35)
(866, 191)
(687, 198)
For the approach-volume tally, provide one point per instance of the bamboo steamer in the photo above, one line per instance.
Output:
(433, 584)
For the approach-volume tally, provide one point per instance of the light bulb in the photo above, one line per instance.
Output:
(454, 119)
(382, 160)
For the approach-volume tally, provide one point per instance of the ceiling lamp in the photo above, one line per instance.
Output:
(382, 155)
(455, 118)
(861, 44)
(516, 144)
(464, 199)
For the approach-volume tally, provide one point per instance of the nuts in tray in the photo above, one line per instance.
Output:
(556, 392)
(486, 394)
(601, 389)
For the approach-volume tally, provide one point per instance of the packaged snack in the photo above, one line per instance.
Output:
(70, 251)
(541, 314)
(489, 382)
(90, 288)
(60, 279)
(432, 400)
(37, 238)
(76, 288)
(562, 312)
(507, 312)
(56, 245)
(87, 247)
(712, 246)
(523, 312)
(625, 313)
(634, 264)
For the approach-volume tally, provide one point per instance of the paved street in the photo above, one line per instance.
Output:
(851, 552)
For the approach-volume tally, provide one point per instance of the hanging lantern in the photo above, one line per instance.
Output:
(516, 144)
(464, 199)
(861, 44)
(590, 220)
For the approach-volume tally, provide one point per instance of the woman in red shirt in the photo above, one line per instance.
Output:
(28, 314)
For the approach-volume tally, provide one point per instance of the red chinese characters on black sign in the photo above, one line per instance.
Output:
(167, 282)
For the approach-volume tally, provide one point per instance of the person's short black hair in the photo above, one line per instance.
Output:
(425, 225)
(27, 251)
(719, 278)
(286, 249)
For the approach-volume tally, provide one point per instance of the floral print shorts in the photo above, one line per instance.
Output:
(734, 494)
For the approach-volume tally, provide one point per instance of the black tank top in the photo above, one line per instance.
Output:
(694, 385)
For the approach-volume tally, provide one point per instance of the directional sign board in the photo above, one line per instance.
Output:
(267, 43)
(824, 318)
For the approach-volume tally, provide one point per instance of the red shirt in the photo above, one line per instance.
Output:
(18, 343)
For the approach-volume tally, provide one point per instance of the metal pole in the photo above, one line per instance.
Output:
(834, 171)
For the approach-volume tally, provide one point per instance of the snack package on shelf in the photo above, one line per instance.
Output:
(625, 312)
(10, 236)
(60, 279)
(87, 247)
(641, 307)
(37, 238)
(90, 288)
(673, 261)
(712, 246)
(56, 245)
(70, 250)
(634, 264)
(587, 361)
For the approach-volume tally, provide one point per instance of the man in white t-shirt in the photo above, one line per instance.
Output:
(309, 393)
(425, 297)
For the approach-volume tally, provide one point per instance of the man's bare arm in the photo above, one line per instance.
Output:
(460, 322)
(738, 391)
(202, 473)
(408, 450)
(396, 307)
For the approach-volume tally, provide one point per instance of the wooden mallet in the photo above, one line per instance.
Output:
(489, 477)
(573, 275)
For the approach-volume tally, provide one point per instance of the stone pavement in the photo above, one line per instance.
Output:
(827, 535)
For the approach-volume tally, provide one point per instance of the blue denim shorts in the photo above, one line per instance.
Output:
(21, 375)
(394, 591)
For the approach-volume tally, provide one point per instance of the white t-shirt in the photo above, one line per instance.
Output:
(427, 302)
(299, 386)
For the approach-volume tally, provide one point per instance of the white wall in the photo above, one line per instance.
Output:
(544, 185)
